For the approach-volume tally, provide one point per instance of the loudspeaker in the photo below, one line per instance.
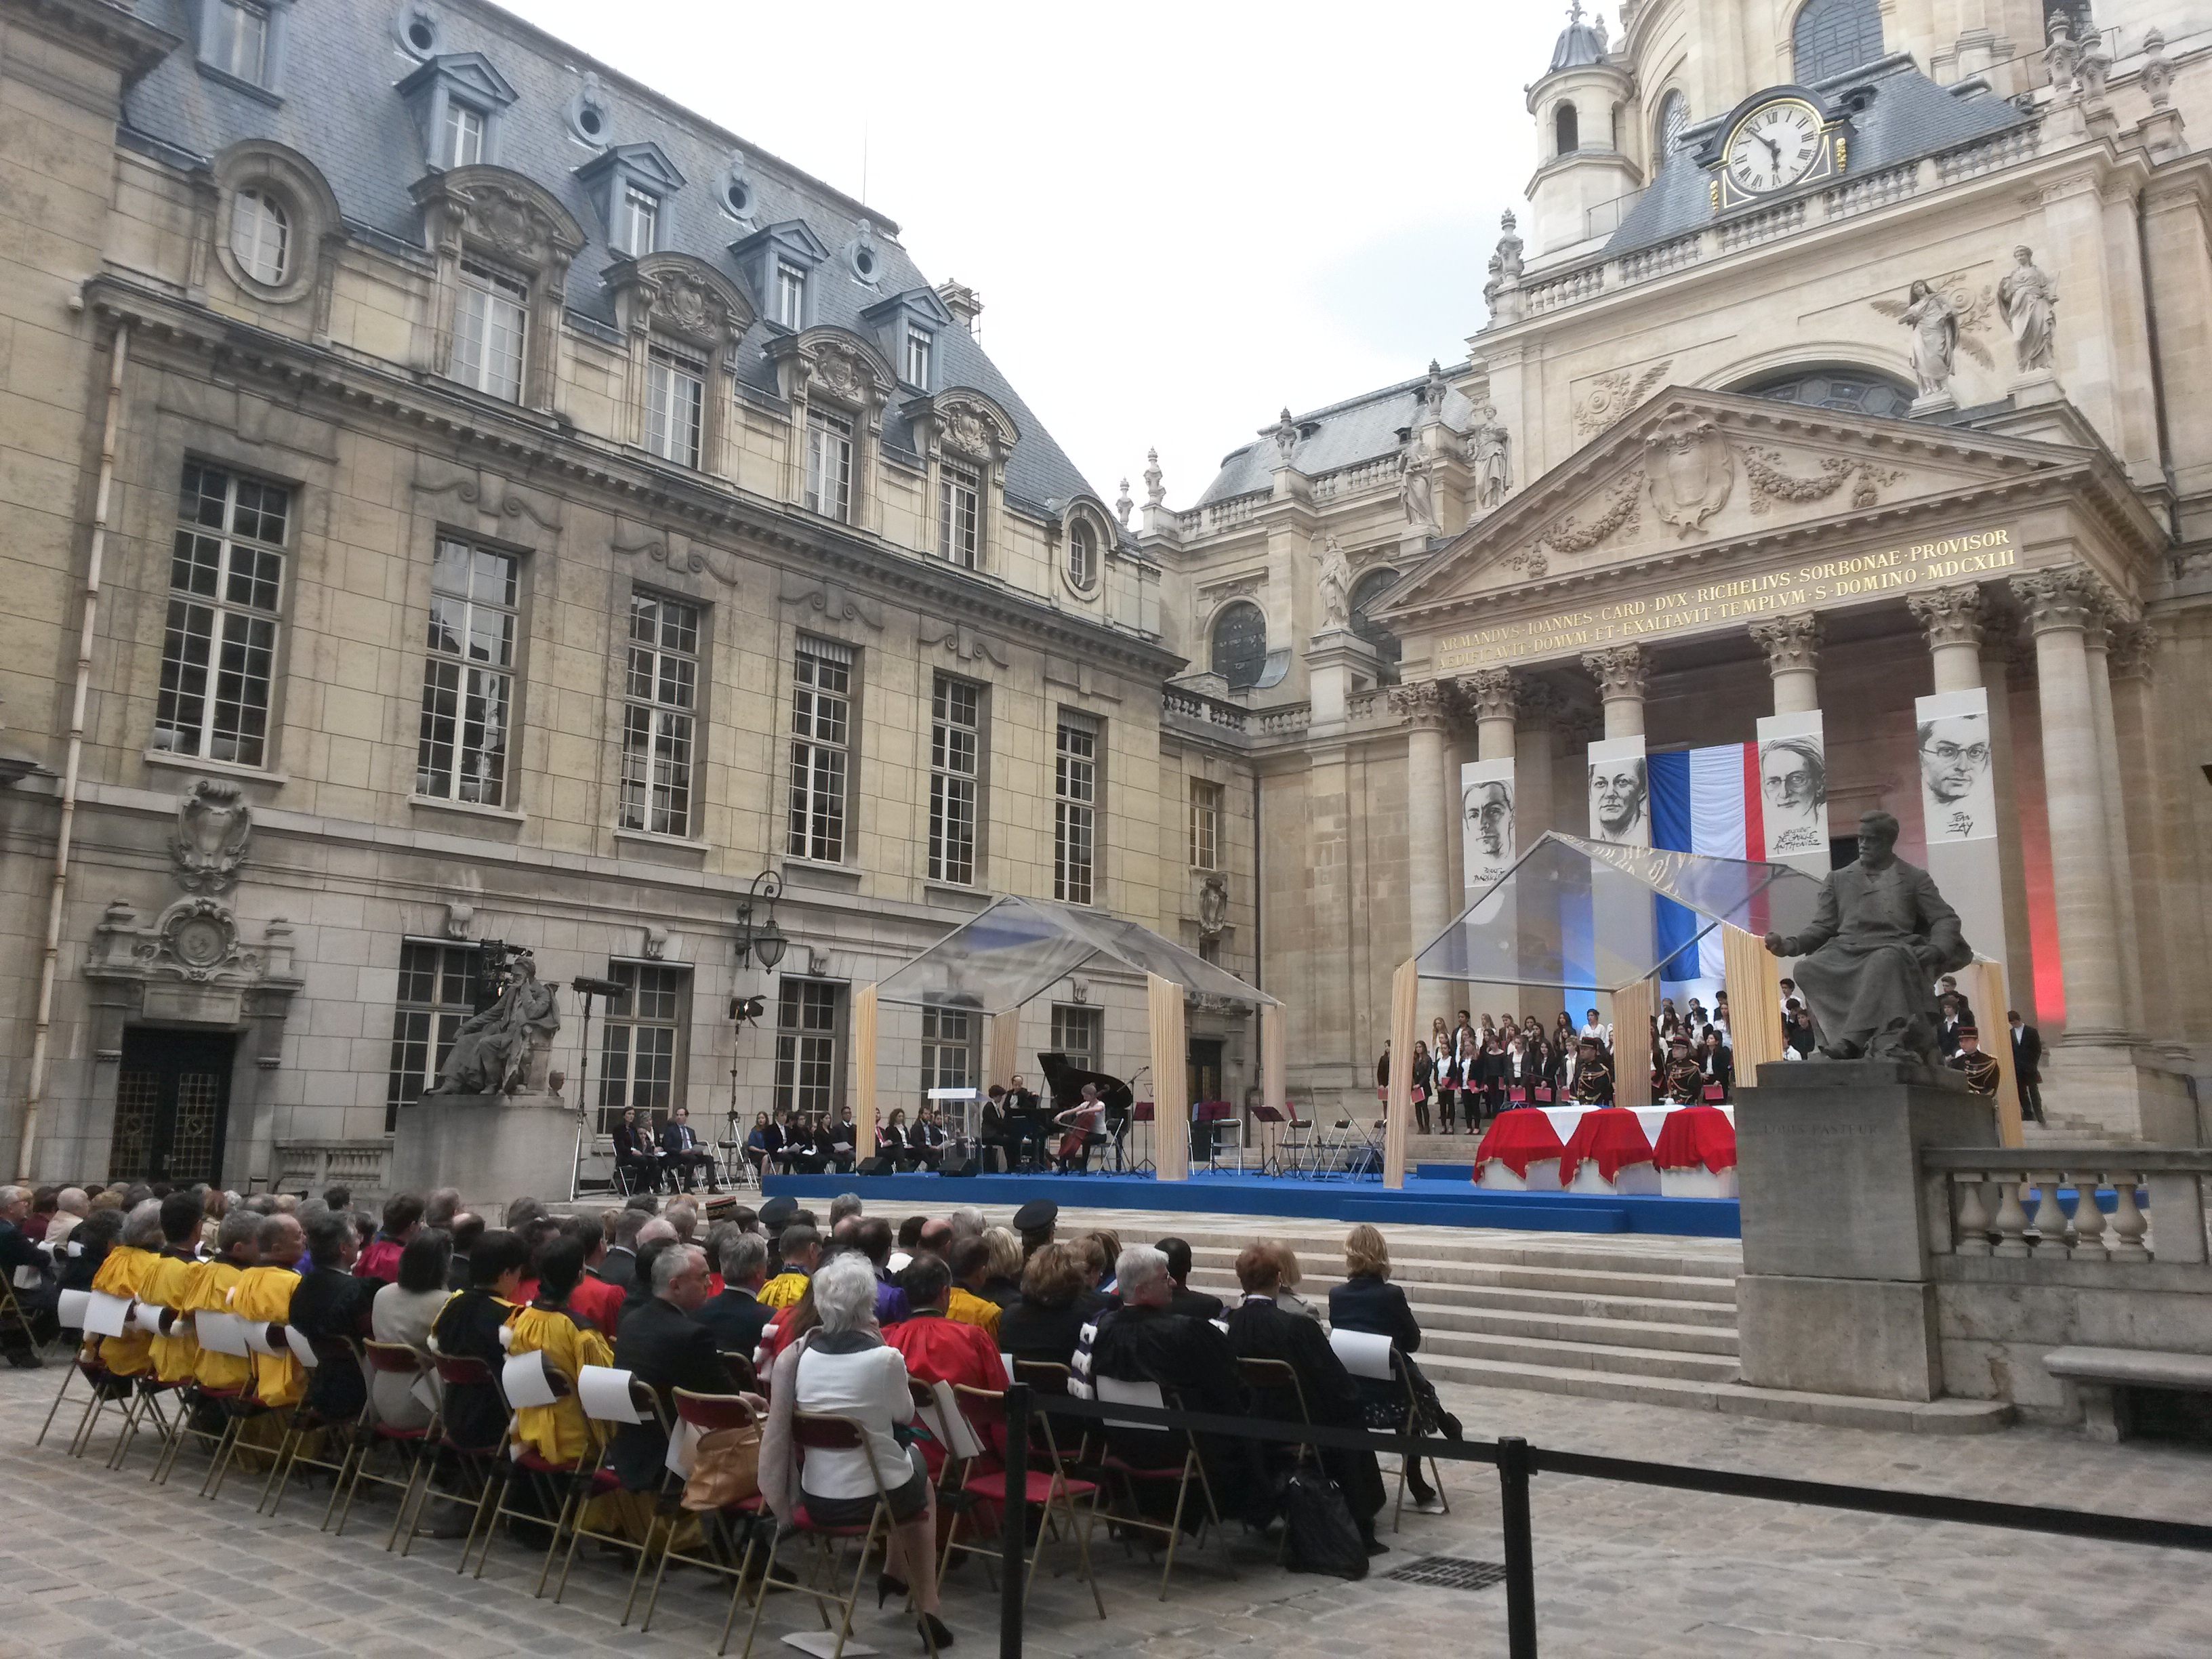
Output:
(968, 1168)
(878, 1166)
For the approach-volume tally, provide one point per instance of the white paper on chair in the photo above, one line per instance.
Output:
(221, 1333)
(147, 1316)
(256, 1332)
(71, 1308)
(302, 1350)
(604, 1393)
(424, 1391)
(682, 1446)
(1362, 1352)
(948, 1425)
(105, 1314)
(524, 1379)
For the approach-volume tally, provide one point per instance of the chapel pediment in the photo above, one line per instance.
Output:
(1693, 475)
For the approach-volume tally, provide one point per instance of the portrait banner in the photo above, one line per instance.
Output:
(1486, 823)
(1958, 780)
(1792, 798)
(1619, 792)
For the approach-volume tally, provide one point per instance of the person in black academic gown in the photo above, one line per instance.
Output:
(468, 1326)
(331, 1305)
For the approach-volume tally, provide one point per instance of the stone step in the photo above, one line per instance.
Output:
(1778, 1404)
(1443, 1351)
(1438, 1323)
(1452, 1307)
(1321, 1253)
(1214, 1266)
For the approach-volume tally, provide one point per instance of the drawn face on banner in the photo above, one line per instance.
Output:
(1793, 789)
(1619, 800)
(1489, 809)
(1957, 792)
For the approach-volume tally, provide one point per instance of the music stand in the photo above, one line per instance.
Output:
(970, 1128)
(1271, 1121)
(1141, 1112)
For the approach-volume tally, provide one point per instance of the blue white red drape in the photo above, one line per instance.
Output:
(1703, 800)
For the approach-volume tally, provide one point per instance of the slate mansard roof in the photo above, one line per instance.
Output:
(1358, 429)
(1897, 115)
(337, 104)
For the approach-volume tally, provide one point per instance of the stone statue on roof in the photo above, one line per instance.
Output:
(1490, 453)
(1417, 492)
(1284, 432)
(2030, 302)
(1335, 585)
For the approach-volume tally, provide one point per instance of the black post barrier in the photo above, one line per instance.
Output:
(1513, 1465)
(1014, 1531)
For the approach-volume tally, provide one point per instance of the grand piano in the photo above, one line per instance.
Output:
(1064, 1081)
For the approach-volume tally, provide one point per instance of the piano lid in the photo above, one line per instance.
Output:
(1065, 1081)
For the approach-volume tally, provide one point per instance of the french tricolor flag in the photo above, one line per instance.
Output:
(1703, 800)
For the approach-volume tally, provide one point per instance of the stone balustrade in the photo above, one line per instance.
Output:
(312, 1165)
(1219, 515)
(1380, 473)
(2013, 1204)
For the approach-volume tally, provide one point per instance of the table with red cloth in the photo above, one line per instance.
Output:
(1517, 1138)
(1608, 1136)
(1693, 1136)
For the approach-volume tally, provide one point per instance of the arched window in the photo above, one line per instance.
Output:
(1082, 555)
(260, 235)
(1857, 391)
(1565, 139)
(1674, 116)
(1365, 591)
(1832, 36)
(1240, 645)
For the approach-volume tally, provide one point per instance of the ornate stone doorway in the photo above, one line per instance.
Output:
(171, 1105)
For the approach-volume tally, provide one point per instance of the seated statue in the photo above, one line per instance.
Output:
(495, 1052)
(1870, 958)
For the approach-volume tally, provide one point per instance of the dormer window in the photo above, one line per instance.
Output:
(959, 513)
(260, 236)
(920, 342)
(676, 405)
(464, 144)
(790, 293)
(237, 39)
(491, 324)
(637, 222)
(1082, 556)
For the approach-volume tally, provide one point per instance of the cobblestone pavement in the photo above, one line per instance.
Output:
(101, 1565)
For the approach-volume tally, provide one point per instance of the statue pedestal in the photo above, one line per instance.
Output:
(493, 1148)
(1838, 1293)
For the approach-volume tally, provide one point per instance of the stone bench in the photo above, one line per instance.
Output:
(2099, 1375)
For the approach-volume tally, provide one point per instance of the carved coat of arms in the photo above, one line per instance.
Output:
(214, 822)
(1690, 470)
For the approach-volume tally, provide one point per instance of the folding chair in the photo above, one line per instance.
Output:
(1277, 1376)
(216, 1333)
(1047, 1377)
(1373, 1358)
(744, 1375)
(1133, 1476)
(706, 1413)
(306, 1420)
(476, 1463)
(242, 1405)
(962, 1418)
(523, 1377)
(382, 1359)
(610, 1398)
(16, 1318)
(813, 1432)
(101, 1384)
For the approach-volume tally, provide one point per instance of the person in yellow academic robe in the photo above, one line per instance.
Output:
(263, 1295)
(207, 1289)
(122, 1273)
(560, 1432)
(176, 1351)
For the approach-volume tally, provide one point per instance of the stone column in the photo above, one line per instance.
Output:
(2003, 655)
(1428, 788)
(1620, 672)
(2096, 641)
(1792, 645)
(1493, 697)
(2061, 605)
(1535, 752)
(1951, 619)
(2130, 652)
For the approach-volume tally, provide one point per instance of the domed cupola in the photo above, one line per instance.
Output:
(1579, 106)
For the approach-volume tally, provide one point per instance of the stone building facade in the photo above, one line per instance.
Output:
(456, 496)
(1717, 455)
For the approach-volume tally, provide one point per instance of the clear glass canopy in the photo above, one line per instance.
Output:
(1578, 915)
(1019, 948)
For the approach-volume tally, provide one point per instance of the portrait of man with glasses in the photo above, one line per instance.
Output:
(1957, 792)
(1793, 788)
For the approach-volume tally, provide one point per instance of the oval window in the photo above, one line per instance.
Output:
(260, 236)
(1240, 646)
(1082, 555)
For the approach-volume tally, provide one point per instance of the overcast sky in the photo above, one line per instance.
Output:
(1179, 217)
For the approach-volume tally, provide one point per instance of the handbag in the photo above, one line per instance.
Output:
(725, 1468)
(1321, 1535)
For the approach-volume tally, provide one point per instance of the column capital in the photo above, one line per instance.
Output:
(1957, 615)
(2132, 650)
(1621, 671)
(1791, 642)
(2067, 599)
(1490, 693)
(1421, 704)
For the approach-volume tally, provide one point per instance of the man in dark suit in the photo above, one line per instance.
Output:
(1258, 1329)
(468, 1228)
(686, 1157)
(330, 1306)
(1025, 1118)
(618, 1266)
(737, 1315)
(2027, 1064)
(666, 1349)
(1193, 1304)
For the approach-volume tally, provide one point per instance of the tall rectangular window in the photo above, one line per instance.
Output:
(806, 1046)
(659, 718)
(468, 675)
(1075, 808)
(237, 38)
(959, 511)
(437, 992)
(919, 342)
(1205, 825)
(637, 219)
(219, 647)
(948, 1048)
(1077, 1031)
(821, 752)
(675, 404)
(955, 773)
(790, 295)
(641, 1055)
(489, 320)
(828, 466)
(465, 135)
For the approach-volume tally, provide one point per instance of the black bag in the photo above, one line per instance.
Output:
(1322, 1536)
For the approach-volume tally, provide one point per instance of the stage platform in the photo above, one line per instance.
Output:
(1438, 1194)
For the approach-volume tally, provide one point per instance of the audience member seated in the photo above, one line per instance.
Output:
(619, 1266)
(1194, 1304)
(403, 1213)
(264, 1297)
(872, 1236)
(666, 1349)
(1286, 1292)
(404, 1312)
(1004, 1282)
(1047, 1319)
(122, 1272)
(737, 1315)
(939, 1349)
(560, 1432)
(176, 1351)
(1260, 1330)
(208, 1287)
(593, 1301)
(330, 1308)
(968, 1302)
(468, 1328)
(801, 1248)
(1367, 1301)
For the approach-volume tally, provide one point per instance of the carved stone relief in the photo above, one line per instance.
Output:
(1212, 905)
(1613, 394)
(966, 643)
(677, 552)
(1690, 468)
(1763, 468)
(834, 601)
(213, 823)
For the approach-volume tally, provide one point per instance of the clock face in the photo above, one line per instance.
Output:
(1774, 147)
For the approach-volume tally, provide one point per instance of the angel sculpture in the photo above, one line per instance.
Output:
(1944, 316)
